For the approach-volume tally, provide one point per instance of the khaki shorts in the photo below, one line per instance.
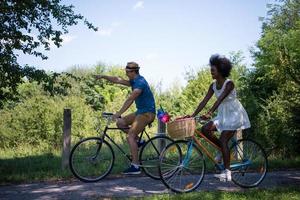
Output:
(138, 122)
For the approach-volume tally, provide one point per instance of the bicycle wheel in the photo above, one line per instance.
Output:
(249, 163)
(181, 166)
(91, 159)
(149, 155)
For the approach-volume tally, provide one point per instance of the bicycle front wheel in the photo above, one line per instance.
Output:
(248, 163)
(91, 159)
(182, 166)
(149, 155)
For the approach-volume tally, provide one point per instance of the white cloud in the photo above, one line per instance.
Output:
(105, 32)
(138, 5)
(67, 39)
(115, 24)
(151, 56)
(108, 31)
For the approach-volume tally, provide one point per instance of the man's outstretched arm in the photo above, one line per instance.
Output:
(114, 79)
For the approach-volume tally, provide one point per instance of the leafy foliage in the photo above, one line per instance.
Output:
(26, 26)
(32, 112)
(276, 78)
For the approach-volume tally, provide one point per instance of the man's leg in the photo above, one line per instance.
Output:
(138, 126)
(125, 122)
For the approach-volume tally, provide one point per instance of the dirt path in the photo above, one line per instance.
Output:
(127, 186)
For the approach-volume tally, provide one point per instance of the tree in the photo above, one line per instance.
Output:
(26, 26)
(276, 79)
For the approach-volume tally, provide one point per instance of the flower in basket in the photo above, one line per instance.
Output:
(163, 116)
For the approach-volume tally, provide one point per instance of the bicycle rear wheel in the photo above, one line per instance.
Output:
(91, 159)
(181, 166)
(149, 155)
(249, 163)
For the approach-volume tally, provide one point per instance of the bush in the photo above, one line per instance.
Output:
(38, 121)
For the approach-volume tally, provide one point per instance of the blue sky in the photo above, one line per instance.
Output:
(165, 37)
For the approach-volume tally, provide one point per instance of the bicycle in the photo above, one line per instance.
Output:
(92, 158)
(182, 164)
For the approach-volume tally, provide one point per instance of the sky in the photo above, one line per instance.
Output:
(165, 37)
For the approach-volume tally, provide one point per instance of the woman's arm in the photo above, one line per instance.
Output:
(228, 88)
(114, 79)
(202, 104)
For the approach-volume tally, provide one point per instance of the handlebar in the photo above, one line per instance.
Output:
(107, 114)
(200, 120)
(108, 117)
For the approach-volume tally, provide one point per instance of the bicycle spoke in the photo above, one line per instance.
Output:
(174, 175)
(91, 159)
(253, 163)
(170, 172)
(149, 155)
(186, 171)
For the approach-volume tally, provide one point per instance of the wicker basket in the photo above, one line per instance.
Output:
(181, 128)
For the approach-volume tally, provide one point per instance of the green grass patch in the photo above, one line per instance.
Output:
(289, 193)
(284, 164)
(29, 164)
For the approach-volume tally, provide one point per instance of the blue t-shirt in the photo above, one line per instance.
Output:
(145, 101)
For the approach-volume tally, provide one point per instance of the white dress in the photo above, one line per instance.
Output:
(231, 114)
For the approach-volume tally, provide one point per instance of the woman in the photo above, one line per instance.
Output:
(231, 114)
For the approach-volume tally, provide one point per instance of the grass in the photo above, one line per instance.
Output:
(28, 164)
(20, 166)
(288, 193)
(284, 164)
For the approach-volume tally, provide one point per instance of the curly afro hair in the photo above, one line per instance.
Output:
(222, 64)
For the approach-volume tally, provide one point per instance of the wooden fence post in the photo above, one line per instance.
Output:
(238, 154)
(66, 138)
(161, 131)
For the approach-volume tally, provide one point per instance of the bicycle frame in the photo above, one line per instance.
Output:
(104, 135)
(208, 153)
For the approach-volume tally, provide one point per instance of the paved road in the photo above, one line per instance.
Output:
(127, 186)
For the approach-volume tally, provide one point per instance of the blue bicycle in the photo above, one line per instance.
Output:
(182, 164)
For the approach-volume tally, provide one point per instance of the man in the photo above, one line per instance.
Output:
(145, 114)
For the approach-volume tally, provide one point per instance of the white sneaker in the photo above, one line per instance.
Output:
(224, 176)
(228, 175)
(219, 158)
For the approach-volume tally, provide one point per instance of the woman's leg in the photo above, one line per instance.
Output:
(208, 130)
(225, 137)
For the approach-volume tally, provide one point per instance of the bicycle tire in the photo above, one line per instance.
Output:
(249, 163)
(149, 155)
(178, 173)
(91, 159)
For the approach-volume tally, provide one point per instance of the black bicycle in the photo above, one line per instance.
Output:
(93, 158)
